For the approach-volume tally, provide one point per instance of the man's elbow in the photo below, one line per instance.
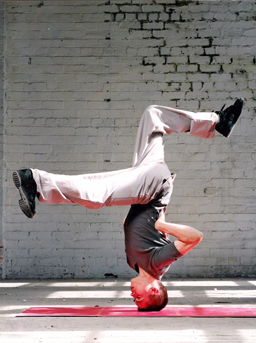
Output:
(199, 237)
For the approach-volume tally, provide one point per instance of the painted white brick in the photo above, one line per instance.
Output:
(78, 77)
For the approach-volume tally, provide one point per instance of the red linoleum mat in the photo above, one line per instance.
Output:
(133, 312)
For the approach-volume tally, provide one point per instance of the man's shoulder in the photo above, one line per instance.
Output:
(140, 214)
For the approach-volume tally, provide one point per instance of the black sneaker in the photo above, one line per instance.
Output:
(229, 117)
(26, 185)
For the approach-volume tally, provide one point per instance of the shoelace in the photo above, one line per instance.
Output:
(222, 108)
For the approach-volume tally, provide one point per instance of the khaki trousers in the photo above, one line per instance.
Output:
(141, 183)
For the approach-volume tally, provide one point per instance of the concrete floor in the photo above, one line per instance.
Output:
(16, 296)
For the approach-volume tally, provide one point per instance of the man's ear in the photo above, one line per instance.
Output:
(154, 291)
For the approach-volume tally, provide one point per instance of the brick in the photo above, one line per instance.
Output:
(187, 68)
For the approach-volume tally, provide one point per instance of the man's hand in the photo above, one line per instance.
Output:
(188, 237)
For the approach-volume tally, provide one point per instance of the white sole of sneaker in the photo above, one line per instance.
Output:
(23, 202)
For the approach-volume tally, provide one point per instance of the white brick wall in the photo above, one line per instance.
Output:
(78, 77)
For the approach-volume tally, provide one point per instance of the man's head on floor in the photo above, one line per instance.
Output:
(149, 295)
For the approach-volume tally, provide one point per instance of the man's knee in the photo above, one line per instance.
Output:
(150, 109)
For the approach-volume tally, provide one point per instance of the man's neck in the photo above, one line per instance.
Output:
(145, 276)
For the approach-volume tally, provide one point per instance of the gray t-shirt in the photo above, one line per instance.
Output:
(144, 245)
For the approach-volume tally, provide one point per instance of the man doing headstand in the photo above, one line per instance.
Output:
(146, 186)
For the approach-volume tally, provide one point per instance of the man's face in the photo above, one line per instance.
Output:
(139, 291)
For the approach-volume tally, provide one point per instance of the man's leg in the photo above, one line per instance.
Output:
(138, 184)
(118, 188)
(135, 185)
(160, 120)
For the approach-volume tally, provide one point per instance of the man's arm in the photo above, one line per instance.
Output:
(188, 237)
